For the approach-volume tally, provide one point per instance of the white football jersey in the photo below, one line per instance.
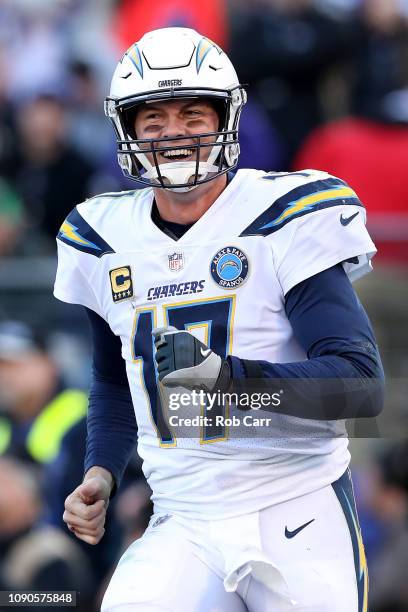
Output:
(224, 280)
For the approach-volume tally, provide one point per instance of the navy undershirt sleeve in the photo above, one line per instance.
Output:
(343, 362)
(111, 422)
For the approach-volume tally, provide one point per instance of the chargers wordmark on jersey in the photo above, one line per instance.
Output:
(121, 283)
(174, 290)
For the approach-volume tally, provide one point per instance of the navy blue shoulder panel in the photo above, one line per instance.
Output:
(76, 232)
(301, 201)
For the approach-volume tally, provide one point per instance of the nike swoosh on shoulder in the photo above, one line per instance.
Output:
(347, 220)
(291, 534)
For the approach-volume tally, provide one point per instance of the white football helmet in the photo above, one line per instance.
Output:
(168, 64)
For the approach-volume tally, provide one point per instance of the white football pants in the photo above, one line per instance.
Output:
(305, 554)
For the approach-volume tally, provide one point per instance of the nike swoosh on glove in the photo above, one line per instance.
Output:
(184, 361)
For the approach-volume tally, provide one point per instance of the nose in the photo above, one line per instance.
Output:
(173, 127)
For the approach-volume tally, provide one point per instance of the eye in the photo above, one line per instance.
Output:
(194, 112)
(153, 127)
(151, 116)
(152, 121)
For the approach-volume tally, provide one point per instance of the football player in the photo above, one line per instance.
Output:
(211, 282)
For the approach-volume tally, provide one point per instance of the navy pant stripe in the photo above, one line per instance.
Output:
(343, 489)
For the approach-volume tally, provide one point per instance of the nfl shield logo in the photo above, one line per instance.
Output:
(176, 261)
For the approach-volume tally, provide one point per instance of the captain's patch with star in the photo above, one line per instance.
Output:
(121, 283)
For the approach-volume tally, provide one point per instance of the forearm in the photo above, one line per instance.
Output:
(112, 431)
(328, 387)
(111, 422)
(343, 375)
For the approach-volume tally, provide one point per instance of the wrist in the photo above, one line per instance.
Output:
(97, 471)
(224, 380)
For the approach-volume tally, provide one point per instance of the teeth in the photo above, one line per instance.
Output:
(177, 153)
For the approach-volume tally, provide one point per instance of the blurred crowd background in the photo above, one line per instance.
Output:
(328, 89)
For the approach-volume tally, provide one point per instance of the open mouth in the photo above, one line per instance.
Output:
(177, 154)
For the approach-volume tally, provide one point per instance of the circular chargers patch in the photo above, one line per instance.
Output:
(229, 267)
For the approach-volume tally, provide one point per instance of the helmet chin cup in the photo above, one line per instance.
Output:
(180, 173)
(171, 64)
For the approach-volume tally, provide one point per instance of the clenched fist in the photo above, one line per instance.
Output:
(85, 507)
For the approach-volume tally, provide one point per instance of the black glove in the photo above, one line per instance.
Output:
(184, 361)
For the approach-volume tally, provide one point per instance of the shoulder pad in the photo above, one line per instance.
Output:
(114, 195)
(309, 197)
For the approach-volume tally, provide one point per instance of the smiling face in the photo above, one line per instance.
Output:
(177, 118)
